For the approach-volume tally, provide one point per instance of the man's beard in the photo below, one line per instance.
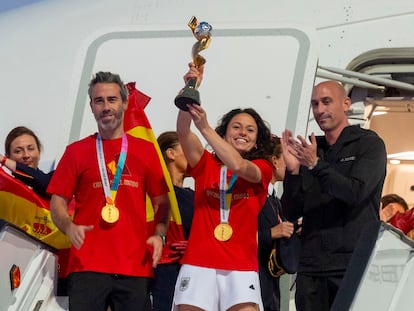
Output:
(114, 124)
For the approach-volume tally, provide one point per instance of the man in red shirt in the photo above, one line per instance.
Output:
(109, 174)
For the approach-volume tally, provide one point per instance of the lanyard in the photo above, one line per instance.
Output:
(273, 201)
(225, 194)
(110, 193)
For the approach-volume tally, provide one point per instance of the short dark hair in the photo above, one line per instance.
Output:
(17, 132)
(167, 140)
(264, 145)
(108, 77)
(277, 147)
(393, 198)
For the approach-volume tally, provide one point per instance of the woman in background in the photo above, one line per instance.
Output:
(271, 228)
(166, 272)
(22, 155)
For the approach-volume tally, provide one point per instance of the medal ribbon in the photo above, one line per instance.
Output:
(225, 194)
(110, 193)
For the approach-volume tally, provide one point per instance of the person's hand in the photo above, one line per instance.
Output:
(179, 246)
(194, 73)
(177, 250)
(387, 212)
(282, 230)
(7, 162)
(199, 116)
(292, 163)
(156, 242)
(298, 226)
(77, 234)
(304, 152)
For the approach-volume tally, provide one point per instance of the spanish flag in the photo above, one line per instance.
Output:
(22, 207)
(136, 124)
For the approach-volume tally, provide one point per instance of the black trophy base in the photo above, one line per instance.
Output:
(182, 102)
(187, 97)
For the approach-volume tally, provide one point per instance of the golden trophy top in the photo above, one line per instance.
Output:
(202, 32)
(189, 94)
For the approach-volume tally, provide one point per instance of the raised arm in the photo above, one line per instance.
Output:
(9, 163)
(227, 153)
(33, 177)
(190, 143)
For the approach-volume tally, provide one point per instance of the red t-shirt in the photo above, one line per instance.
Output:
(118, 248)
(240, 252)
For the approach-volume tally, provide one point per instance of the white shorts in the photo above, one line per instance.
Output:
(214, 290)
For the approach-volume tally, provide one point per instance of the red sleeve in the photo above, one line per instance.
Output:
(64, 178)
(266, 169)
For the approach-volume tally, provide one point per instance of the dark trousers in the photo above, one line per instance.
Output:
(270, 290)
(165, 276)
(98, 291)
(316, 292)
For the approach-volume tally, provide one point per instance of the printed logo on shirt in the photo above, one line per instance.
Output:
(235, 197)
(184, 283)
(347, 159)
(122, 182)
(112, 167)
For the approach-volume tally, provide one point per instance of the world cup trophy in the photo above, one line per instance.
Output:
(189, 94)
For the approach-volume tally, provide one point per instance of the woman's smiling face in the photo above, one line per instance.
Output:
(24, 149)
(242, 132)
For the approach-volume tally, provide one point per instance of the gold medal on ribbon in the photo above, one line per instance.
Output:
(110, 213)
(223, 232)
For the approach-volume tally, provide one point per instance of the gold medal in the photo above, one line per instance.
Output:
(110, 213)
(223, 232)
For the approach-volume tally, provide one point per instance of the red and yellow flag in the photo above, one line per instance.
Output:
(22, 207)
(136, 123)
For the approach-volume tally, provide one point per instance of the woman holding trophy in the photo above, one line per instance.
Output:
(220, 265)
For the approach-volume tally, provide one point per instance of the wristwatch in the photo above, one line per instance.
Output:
(163, 238)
